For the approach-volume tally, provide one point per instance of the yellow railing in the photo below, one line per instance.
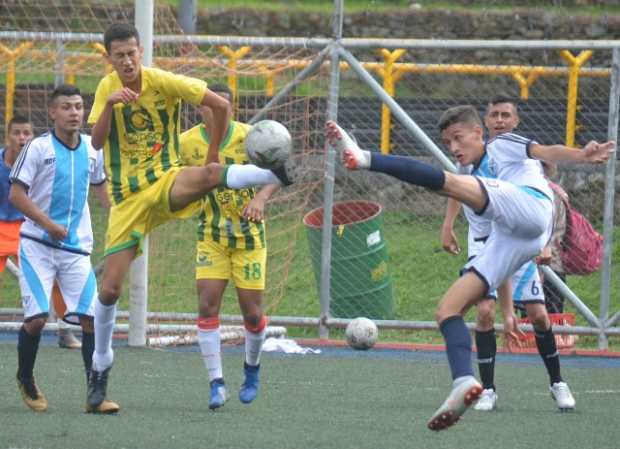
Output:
(389, 70)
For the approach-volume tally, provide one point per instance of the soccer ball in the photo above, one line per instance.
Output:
(361, 333)
(268, 144)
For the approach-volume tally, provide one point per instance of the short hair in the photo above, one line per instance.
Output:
(221, 88)
(504, 98)
(66, 90)
(459, 114)
(18, 120)
(119, 32)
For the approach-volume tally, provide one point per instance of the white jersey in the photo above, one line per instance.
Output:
(510, 161)
(58, 178)
(479, 228)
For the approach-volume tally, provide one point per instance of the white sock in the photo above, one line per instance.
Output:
(105, 316)
(242, 176)
(253, 346)
(209, 341)
(363, 160)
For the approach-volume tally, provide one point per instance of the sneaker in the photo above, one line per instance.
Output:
(353, 157)
(67, 340)
(487, 400)
(249, 388)
(562, 395)
(97, 387)
(31, 394)
(285, 173)
(465, 391)
(219, 394)
(105, 408)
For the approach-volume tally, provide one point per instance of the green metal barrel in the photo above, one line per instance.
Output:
(361, 284)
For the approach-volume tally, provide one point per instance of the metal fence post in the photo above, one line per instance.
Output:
(330, 159)
(610, 189)
(138, 295)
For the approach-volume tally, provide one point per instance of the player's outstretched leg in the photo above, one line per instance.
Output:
(406, 169)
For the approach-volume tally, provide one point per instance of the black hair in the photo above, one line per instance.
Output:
(66, 90)
(119, 32)
(504, 98)
(17, 120)
(459, 114)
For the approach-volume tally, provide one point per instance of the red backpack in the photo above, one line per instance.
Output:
(582, 247)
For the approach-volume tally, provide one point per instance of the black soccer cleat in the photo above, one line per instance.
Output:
(97, 387)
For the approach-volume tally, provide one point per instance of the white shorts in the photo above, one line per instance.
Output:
(40, 265)
(522, 221)
(526, 285)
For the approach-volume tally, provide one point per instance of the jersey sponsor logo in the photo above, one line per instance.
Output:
(143, 140)
(49, 161)
(202, 260)
(196, 154)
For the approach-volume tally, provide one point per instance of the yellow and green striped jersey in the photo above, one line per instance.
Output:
(221, 218)
(143, 142)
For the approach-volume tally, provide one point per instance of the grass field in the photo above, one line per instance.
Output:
(339, 399)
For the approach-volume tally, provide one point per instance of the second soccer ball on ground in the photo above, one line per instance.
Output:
(361, 333)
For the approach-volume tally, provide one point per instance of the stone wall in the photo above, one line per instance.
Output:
(416, 22)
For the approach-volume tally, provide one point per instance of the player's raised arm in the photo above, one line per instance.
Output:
(101, 127)
(593, 152)
(221, 115)
(449, 242)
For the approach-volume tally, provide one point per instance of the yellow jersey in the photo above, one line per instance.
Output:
(221, 218)
(143, 142)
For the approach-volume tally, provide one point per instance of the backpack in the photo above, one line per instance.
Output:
(581, 247)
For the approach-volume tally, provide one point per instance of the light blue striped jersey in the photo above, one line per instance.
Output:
(58, 178)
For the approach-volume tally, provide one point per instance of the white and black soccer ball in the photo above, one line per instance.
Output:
(361, 333)
(268, 144)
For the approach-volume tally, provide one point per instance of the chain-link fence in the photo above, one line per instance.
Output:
(383, 253)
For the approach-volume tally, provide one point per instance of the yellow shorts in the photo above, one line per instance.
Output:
(246, 267)
(142, 212)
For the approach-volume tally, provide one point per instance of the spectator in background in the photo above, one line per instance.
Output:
(554, 300)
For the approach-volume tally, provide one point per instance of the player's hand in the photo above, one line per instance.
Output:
(255, 210)
(513, 336)
(597, 153)
(449, 241)
(56, 231)
(125, 95)
(544, 258)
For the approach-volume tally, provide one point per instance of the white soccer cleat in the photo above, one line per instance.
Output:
(465, 391)
(562, 395)
(487, 400)
(353, 157)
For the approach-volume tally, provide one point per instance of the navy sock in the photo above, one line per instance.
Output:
(487, 349)
(409, 170)
(88, 347)
(458, 346)
(545, 342)
(27, 347)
